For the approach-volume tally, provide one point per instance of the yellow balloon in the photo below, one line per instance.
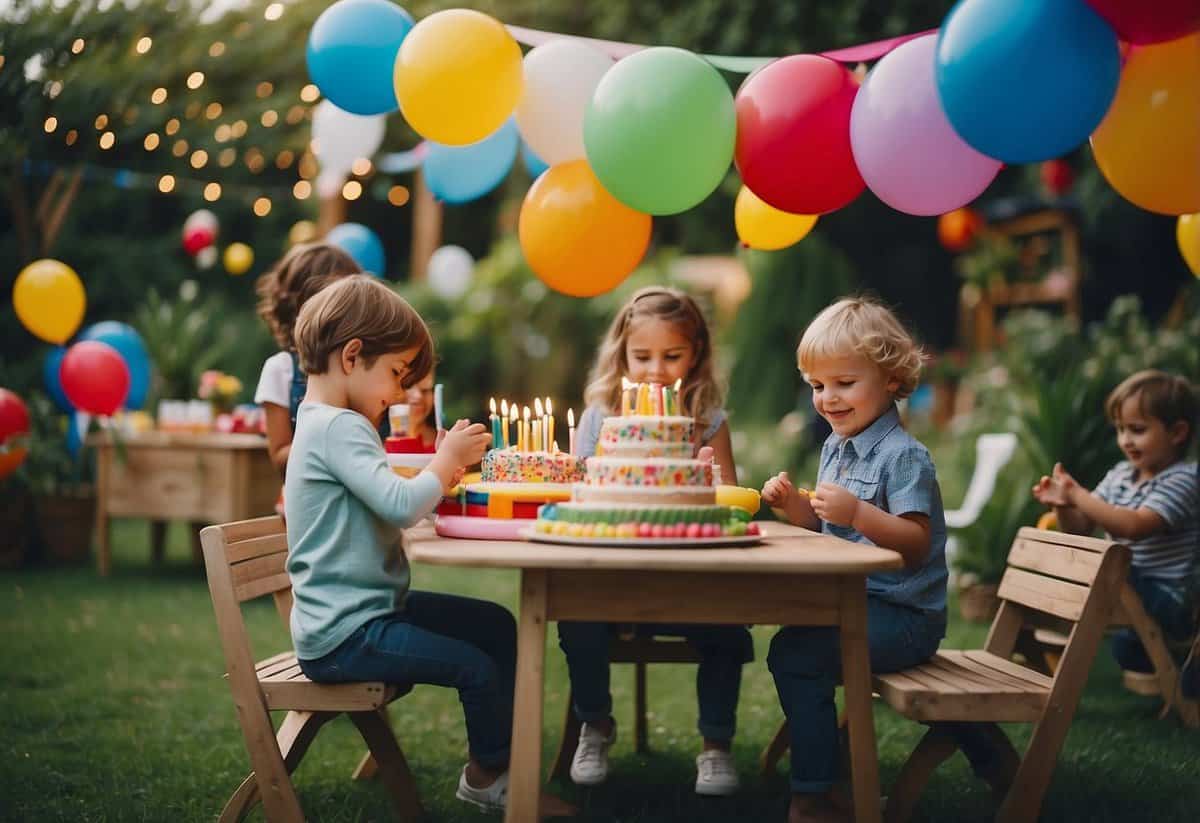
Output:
(458, 76)
(1187, 232)
(304, 231)
(238, 258)
(49, 300)
(1148, 145)
(764, 227)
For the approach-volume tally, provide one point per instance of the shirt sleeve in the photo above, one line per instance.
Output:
(1103, 489)
(910, 483)
(714, 423)
(275, 381)
(587, 434)
(1175, 498)
(356, 459)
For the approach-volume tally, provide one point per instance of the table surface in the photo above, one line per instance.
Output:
(161, 439)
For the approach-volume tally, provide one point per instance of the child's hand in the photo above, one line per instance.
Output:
(1058, 489)
(466, 443)
(778, 490)
(455, 479)
(791, 502)
(705, 454)
(834, 504)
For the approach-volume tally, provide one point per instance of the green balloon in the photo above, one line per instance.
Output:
(660, 130)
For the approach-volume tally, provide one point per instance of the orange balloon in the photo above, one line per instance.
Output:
(957, 229)
(1148, 145)
(578, 238)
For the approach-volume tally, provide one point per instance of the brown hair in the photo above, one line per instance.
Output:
(699, 394)
(361, 307)
(860, 325)
(1166, 397)
(285, 287)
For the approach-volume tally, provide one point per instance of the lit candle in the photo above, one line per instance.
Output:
(666, 400)
(571, 431)
(656, 399)
(525, 429)
(516, 436)
(677, 398)
(504, 421)
(550, 425)
(539, 424)
(495, 423)
(626, 398)
(643, 399)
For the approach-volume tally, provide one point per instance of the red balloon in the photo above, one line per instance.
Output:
(197, 239)
(1057, 176)
(1143, 21)
(793, 135)
(958, 229)
(14, 416)
(94, 377)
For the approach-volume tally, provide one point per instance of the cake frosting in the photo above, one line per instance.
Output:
(512, 466)
(645, 436)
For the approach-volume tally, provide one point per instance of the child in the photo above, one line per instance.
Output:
(282, 290)
(354, 617)
(659, 336)
(420, 409)
(876, 484)
(1150, 501)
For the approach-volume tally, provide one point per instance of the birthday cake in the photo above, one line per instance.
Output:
(513, 466)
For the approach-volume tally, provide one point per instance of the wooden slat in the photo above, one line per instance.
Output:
(256, 547)
(248, 529)
(332, 697)
(264, 585)
(1077, 541)
(1046, 594)
(919, 702)
(1011, 668)
(279, 670)
(273, 659)
(967, 679)
(251, 570)
(1078, 565)
(960, 658)
(931, 682)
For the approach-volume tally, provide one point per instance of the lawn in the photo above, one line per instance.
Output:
(113, 708)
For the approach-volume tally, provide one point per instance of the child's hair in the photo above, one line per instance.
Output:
(1166, 397)
(860, 325)
(302, 272)
(699, 394)
(360, 306)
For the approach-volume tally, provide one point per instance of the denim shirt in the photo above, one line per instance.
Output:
(887, 467)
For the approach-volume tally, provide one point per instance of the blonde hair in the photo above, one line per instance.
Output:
(700, 394)
(285, 287)
(360, 306)
(861, 326)
(1165, 397)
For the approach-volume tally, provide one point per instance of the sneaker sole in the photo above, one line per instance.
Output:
(716, 791)
(595, 781)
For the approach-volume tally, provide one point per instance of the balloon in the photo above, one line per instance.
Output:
(458, 76)
(533, 164)
(793, 143)
(957, 229)
(50, 379)
(458, 174)
(1137, 21)
(560, 78)
(303, 231)
(206, 257)
(49, 300)
(578, 238)
(202, 219)
(129, 345)
(360, 243)
(238, 258)
(77, 426)
(449, 272)
(1187, 232)
(1057, 176)
(352, 51)
(660, 129)
(339, 137)
(904, 146)
(1148, 147)
(764, 227)
(196, 240)
(329, 183)
(1028, 81)
(14, 432)
(94, 377)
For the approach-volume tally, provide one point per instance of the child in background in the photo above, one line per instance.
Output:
(354, 617)
(659, 336)
(420, 409)
(877, 485)
(1150, 501)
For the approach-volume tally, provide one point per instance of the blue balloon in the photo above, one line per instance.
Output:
(458, 174)
(129, 345)
(360, 243)
(1026, 81)
(533, 164)
(351, 54)
(51, 379)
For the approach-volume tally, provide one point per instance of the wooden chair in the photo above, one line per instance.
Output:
(624, 649)
(1076, 579)
(246, 560)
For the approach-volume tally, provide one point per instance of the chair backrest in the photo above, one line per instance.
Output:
(992, 453)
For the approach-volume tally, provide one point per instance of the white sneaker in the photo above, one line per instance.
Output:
(589, 767)
(715, 773)
(490, 798)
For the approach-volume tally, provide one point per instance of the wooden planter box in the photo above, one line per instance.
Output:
(65, 522)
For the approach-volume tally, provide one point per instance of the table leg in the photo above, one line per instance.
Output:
(525, 763)
(856, 678)
(103, 538)
(158, 541)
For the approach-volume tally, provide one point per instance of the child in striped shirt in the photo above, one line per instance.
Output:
(1150, 501)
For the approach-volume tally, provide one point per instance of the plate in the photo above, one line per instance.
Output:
(531, 534)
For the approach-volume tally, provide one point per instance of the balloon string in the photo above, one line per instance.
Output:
(737, 64)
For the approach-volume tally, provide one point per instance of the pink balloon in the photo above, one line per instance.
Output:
(904, 146)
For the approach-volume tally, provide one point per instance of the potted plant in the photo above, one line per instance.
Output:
(945, 372)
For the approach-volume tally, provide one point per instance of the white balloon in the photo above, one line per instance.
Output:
(340, 138)
(206, 257)
(201, 219)
(449, 272)
(560, 78)
(329, 182)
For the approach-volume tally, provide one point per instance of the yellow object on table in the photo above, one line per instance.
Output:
(739, 496)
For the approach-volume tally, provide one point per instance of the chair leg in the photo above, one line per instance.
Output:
(768, 761)
(244, 799)
(639, 717)
(367, 768)
(393, 768)
(934, 748)
(295, 735)
(1167, 672)
(569, 742)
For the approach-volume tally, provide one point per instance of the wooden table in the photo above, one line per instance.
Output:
(201, 478)
(796, 578)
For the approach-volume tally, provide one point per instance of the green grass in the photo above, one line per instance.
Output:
(112, 707)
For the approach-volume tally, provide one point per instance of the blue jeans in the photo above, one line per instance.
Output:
(806, 664)
(722, 649)
(445, 640)
(1170, 604)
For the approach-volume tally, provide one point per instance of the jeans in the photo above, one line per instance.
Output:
(722, 649)
(1169, 603)
(806, 664)
(444, 640)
